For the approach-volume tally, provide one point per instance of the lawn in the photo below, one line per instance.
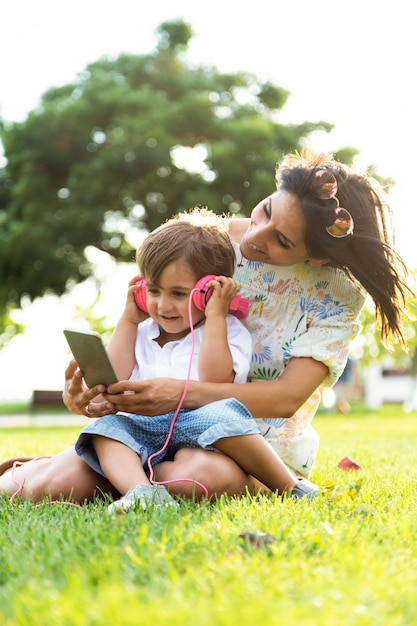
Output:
(348, 557)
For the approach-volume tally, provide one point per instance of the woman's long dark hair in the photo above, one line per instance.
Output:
(367, 255)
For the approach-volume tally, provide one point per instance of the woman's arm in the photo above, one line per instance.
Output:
(272, 398)
(281, 397)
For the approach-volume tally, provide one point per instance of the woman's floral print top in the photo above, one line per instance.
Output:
(298, 311)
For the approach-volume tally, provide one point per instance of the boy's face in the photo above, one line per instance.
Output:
(167, 302)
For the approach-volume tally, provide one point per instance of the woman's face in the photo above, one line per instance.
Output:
(276, 232)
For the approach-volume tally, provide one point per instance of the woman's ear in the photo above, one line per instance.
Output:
(318, 262)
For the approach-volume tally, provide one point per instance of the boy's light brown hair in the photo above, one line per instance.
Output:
(198, 237)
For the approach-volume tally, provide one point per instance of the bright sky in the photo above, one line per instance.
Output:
(351, 64)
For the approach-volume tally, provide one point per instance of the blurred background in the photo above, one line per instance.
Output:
(114, 116)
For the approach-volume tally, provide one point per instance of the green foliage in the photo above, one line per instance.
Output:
(9, 328)
(372, 349)
(98, 160)
(346, 558)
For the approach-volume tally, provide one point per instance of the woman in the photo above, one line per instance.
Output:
(305, 259)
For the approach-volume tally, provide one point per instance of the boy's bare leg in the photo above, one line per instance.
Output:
(254, 454)
(121, 464)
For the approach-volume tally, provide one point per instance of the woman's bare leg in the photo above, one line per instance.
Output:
(64, 475)
(218, 473)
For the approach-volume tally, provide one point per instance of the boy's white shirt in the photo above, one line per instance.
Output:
(173, 359)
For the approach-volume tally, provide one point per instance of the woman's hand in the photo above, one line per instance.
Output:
(78, 398)
(148, 397)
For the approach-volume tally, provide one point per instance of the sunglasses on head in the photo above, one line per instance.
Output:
(324, 187)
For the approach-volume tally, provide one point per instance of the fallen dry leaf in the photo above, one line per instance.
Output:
(349, 464)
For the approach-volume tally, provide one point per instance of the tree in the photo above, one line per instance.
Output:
(371, 349)
(102, 158)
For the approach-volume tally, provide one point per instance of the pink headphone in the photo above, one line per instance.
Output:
(239, 306)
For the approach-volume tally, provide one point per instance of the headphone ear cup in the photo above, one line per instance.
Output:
(140, 295)
(202, 294)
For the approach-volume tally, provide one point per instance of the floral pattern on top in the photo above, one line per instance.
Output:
(298, 311)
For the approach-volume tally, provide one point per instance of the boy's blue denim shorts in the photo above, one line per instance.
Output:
(198, 428)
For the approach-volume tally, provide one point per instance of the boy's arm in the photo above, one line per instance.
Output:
(215, 362)
(121, 348)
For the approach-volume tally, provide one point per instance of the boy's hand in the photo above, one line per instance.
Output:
(224, 290)
(132, 312)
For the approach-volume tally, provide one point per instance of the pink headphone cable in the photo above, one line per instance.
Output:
(171, 428)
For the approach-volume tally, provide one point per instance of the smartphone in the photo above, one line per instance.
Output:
(91, 356)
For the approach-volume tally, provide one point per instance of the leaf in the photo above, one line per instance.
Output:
(347, 463)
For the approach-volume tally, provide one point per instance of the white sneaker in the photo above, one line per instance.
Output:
(304, 489)
(145, 496)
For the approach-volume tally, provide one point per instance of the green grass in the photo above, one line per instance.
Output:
(348, 557)
(23, 408)
(14, 408)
